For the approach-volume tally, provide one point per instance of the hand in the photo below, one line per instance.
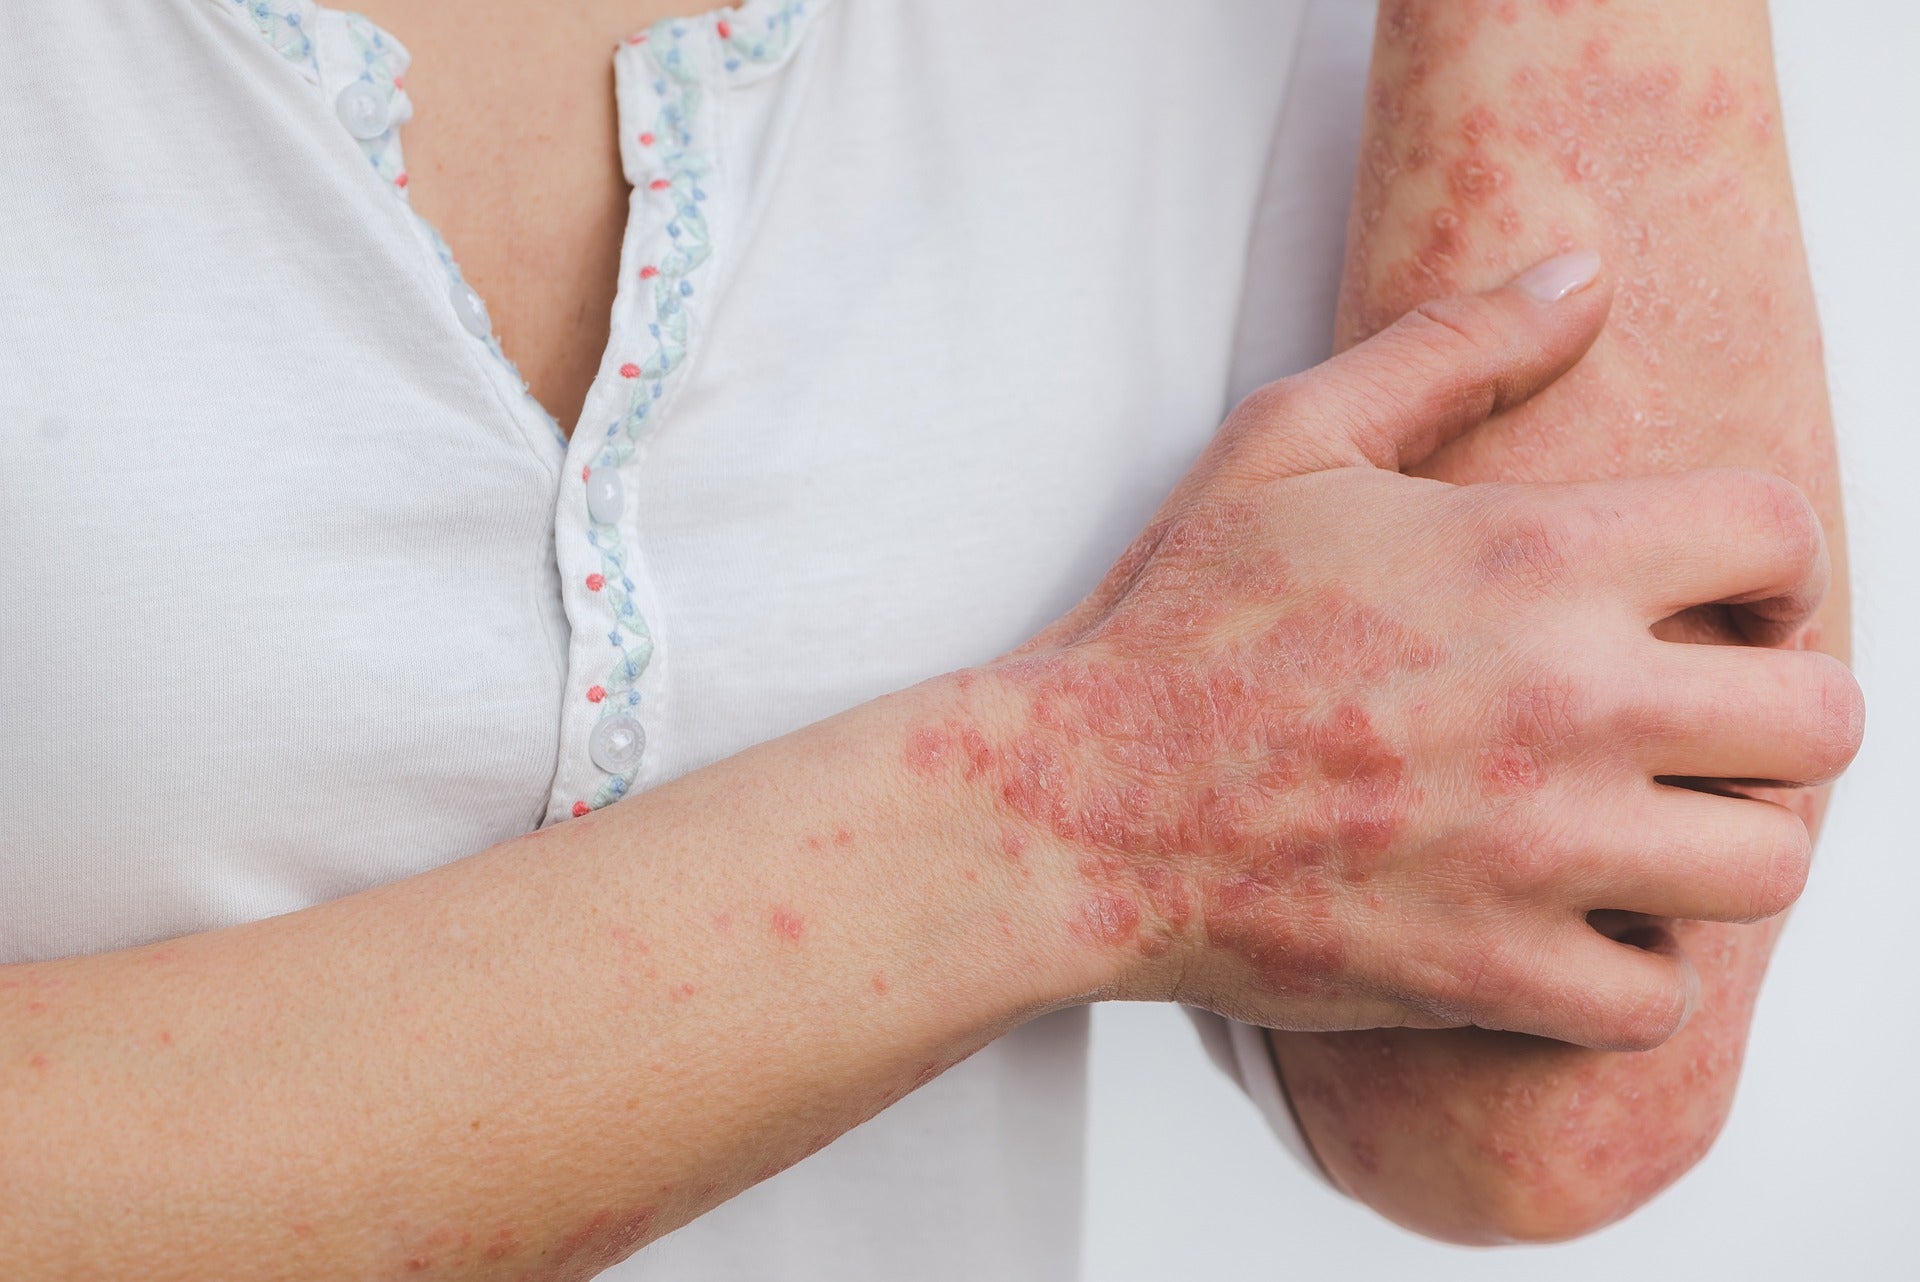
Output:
(1332, 747)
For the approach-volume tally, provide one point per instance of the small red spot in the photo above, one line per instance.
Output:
(683, 991)
(629, 370)
(927, 750)
(725, 29)
(880, 984)
(580, 808)
(1013, 842)
(723, 922)
(658, 184)
(595, 582)
(789, 923)
(37, 1062)
(419, 1264)
(596, 694)
(842, 837)
(586, 472)
(646, 139)
(649, 272)
(303, 1229)
(504, 1243)
(400, 181)
(166, 1037)
(36, 1008)
(399, 82)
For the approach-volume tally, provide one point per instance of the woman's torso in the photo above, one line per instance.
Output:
(919, 312)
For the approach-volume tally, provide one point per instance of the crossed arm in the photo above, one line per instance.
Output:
(1497, 133)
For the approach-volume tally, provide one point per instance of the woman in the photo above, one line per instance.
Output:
(914, 316)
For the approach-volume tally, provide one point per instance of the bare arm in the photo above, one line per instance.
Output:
(1649, 132)
(1230, 778)
(530, 1062)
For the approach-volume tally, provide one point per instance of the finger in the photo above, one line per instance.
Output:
(1444, 367)
(1716, 536)
(1698, 856)
(1739, 712)
(1614, 995)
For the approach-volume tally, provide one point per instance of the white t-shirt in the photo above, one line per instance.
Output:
(923, 308)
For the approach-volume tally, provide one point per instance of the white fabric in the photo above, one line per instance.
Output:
(294, 595)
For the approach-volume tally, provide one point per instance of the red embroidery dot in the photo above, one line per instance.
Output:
(725, 29)
(596, 694)
(401, 181)
(648, 273)
(580, 808)
(638, 38)
(646, 140)
(629, 370)
(586, 472)
(659, 184)
(595, 582)
(399, 82)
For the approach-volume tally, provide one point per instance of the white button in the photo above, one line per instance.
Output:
(616, 743)
(471, 311)
(606, 497)
(363, 110)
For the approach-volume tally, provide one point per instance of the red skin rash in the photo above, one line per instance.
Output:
(789, 924)
(1218, 790)
(1603, 139)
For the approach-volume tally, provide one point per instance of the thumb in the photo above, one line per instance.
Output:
(1446, 366)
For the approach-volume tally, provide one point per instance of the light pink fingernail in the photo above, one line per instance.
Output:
(1559, 278)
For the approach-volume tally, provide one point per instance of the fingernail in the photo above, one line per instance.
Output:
(1558, 278)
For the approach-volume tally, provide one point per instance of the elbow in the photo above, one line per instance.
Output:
(1554, 1187)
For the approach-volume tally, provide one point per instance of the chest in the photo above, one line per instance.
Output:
(513, 154)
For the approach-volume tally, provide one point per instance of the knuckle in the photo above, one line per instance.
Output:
(1550, 710)
(1444, 324)
(1532, 552)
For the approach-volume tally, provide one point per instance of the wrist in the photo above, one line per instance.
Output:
(1002, 784)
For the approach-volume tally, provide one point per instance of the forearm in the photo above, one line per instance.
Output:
(536, 1058)
(1649, 133)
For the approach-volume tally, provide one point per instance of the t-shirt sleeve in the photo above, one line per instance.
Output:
(1244, 1054)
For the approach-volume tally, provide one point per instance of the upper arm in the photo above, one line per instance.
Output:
(1496, 135)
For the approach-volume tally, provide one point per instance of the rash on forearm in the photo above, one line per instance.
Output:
(1498, 133)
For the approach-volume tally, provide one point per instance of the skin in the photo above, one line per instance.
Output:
(514, 157)
(1497, 132)
(1251, 772)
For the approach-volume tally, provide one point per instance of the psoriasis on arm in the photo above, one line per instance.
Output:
(1499, 131)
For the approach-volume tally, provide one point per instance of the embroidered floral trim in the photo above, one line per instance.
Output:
(382, 63)
(292, 28)
(759, 35)
(286, 25)
(760, 38)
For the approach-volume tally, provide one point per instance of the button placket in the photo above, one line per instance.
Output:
(668, 80)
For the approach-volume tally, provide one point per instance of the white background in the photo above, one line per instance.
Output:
(1815, 1175)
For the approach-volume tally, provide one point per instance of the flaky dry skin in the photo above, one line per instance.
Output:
(1496, 133)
